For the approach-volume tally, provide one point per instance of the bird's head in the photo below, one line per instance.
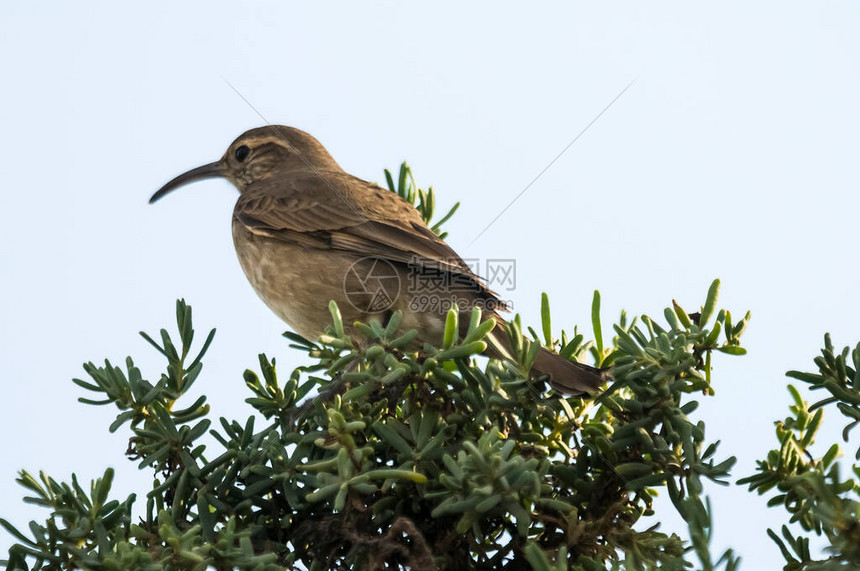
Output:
(258, 154)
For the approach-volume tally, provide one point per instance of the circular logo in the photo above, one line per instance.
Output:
(371, 285)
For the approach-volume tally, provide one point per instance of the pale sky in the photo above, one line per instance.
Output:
(734, 155)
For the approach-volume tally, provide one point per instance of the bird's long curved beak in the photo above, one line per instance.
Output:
(212, 170)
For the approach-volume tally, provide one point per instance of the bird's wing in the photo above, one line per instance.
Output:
(345, 213)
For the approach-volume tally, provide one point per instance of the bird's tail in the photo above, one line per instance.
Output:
(569, 377)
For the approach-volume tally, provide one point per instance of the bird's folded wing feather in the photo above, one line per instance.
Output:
(357, 216)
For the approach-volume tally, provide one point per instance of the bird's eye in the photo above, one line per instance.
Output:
(242, 153)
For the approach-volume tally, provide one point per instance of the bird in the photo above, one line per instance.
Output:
(307, 232)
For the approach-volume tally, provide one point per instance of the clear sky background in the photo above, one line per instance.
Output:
(734, 155)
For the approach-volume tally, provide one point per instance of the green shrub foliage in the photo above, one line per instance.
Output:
(374, 457)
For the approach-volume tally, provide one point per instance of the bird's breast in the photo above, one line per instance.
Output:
(295, 281)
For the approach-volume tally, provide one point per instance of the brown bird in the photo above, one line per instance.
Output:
(306, 232)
